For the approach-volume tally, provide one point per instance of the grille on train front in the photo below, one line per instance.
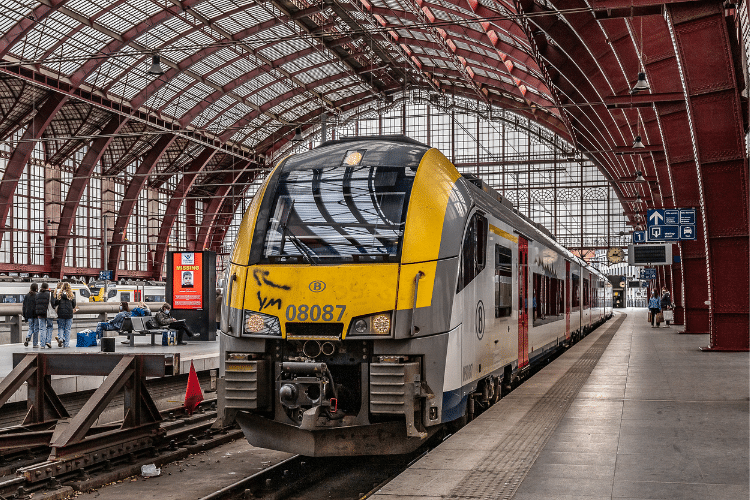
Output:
(316, 331)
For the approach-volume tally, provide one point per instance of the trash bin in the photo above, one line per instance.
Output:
(108, 344)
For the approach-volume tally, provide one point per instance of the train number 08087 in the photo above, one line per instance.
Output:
(303, 312)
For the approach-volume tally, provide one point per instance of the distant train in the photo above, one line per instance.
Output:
(375, 294)
(129, 292)
(13, 289)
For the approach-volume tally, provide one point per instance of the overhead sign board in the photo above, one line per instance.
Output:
(676, 224)
(106, 275)
(650, 255)
(648, 274)
(639, 236)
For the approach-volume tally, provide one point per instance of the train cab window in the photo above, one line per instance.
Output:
(112, 293)
(84, 293)
(335, 215)
(473, 251)
(503, 281)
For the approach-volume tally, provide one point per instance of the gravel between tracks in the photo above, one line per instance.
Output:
(194, 477)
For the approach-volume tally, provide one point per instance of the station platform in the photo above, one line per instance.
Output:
(203, 355)
(629, 412)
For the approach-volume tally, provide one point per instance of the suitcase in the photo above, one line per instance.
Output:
(86, 338)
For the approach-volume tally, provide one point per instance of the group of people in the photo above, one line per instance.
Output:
(657, 305)
(162, 319)
(40, 307)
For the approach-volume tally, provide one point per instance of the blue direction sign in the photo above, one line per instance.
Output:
(670, 224)
(106, 275)
(648, 274)
(639, 236)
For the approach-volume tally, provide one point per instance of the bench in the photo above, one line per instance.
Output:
(138, 327)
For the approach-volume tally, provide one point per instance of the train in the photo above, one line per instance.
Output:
(375, 296)
(13, 289)
(149, 291)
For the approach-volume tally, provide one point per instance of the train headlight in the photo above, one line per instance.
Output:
(381, 324)
(375, 324)
(257, 323)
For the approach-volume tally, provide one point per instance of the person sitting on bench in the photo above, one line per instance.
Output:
(163, 318)
(116, 322)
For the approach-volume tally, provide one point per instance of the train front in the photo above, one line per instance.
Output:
(313, 290)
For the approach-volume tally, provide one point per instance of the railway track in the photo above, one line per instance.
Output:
(28, 470)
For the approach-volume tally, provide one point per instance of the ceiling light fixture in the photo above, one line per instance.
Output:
(641, 85)
(638, 144)
(156, 68)
(298, 135)
(639, 177)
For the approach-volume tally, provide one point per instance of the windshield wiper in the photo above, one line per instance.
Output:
(293, 238)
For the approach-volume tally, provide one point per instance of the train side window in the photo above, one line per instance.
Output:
(473, 251)
(125, 296)
(503, 281)
(576, 302)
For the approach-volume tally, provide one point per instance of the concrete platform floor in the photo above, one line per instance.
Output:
(655, 419)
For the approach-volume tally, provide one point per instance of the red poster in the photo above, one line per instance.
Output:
(187, 280)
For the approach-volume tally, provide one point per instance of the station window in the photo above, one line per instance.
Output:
(548, 299)
(503, 281)
(473, 251)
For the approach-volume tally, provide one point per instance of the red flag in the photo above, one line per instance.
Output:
(193, 394)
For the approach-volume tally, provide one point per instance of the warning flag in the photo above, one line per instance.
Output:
(193, 394)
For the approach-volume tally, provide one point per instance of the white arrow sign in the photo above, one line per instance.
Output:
(655, 218)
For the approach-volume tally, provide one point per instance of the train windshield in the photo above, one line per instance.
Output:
(338, 214)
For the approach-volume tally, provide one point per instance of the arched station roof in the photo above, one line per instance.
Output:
(240, 76)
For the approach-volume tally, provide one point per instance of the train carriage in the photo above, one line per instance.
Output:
(374, 293)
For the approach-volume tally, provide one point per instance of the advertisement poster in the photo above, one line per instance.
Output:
(187, 281)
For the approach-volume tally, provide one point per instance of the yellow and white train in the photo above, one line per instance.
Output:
(375, 294)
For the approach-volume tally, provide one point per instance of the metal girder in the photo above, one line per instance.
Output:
(77, 186)
(642, 100)
(709, 80)
(131, 196)
(26, 24)
(211, 212)
(22, 153)
(173, 206)
(120, 41)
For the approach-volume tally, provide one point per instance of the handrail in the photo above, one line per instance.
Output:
(418, 277)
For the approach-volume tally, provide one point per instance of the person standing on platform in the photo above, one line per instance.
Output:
(65, 303)
(42, 303)
(666, 302)
(163, 318)
(654, 306)
(29, 314)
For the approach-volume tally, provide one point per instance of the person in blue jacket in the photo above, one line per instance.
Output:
(654, 305)
(116, 322)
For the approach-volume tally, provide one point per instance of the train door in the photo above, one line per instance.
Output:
(567, 299)
(523, 308)
(137, 296)
(474, 286)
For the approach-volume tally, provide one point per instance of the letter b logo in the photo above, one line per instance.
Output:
(317, 286)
